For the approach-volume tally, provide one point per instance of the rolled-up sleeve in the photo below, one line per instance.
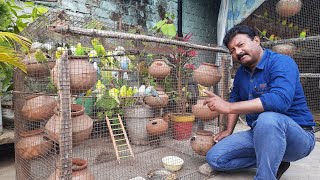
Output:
(283, 78)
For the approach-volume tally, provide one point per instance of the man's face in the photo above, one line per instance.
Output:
(245, 50)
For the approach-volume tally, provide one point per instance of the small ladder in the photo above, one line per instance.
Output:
(119, 138)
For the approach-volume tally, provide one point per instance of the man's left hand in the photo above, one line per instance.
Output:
(216, 103)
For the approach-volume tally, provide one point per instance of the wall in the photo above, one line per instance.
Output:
(199, 17)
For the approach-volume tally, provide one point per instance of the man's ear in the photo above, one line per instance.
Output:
(257, 39)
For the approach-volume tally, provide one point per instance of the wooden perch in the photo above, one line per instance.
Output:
(113, 34)
(285, 41)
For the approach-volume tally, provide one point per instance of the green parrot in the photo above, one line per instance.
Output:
(79, 50)
(40, 56)
(264, 33)
(271, 38)
(59, 52)
(303, 34)
(97, 46)
(284, 22)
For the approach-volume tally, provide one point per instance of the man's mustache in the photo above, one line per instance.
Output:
(239, 56)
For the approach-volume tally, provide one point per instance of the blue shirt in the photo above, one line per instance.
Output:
(276, 82)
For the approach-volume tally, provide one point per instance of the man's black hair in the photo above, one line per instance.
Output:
(239, 29)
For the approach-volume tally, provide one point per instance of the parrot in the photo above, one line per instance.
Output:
(271, 38)
(73, 50)
(130, 91)
(124, 62)
(123, 91)
(284, 22)
(125, 76)
(110, 57)
(97, 46)
(114, 93)
(142, 90)
(35, 46)
(40, 56)
(59, 52)
(265, 14)
(135, 90)
(151, 91)
(303, 34)
(264, 33)
(79, 50)
(100, 87)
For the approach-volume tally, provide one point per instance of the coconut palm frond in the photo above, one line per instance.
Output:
(11, 37)
(12, 61)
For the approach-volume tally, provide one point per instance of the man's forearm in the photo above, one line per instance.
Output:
(246, 107)
(232, 121)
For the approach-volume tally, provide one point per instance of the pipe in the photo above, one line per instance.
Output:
(180, 18)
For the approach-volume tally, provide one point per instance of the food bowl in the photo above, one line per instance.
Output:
(172, 163)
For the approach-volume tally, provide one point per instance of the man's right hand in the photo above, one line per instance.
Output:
(221, 135)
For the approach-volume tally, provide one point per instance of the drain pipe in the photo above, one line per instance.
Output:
(180, 18)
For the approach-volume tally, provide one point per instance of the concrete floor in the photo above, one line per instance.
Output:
(305, 169)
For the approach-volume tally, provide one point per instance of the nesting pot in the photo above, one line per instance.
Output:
(202, 111)
(287, 8)
(38, 108)
(287, 49)
(136, 119)
(82, 74)
(159, 69)
(82, 125)
(80, 171)
(32, 144)
(36, 69)
(207, 74)
(161, 101)
(182, 125)
(202, 142)
(157, 126)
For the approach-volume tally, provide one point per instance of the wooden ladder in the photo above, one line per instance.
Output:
(119, 138)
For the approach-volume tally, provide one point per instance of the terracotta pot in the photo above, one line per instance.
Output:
(202, 142)
(161, 101)
(157, 126)
(207, 74)
(287, 49)
(82, 74)
(36, 69)
(159, 69)
(82, 125)
(32, 144)
(287, 8)
(38, 108)
(80, 171)
(202, 111)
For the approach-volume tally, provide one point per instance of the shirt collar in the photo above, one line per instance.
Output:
(262, 62)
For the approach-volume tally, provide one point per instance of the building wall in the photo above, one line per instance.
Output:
(199, 17)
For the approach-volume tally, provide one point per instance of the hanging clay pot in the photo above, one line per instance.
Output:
(159, 69)
(287, 8)
(38, 108)
(82, 125)
(32, 144)
(36, 69)
(207, 74)
(182, 125)
(287, 49)
(202, 111)
(157, 126)
(202, 142)
(80, 171)
(161, 101)
(82, 74)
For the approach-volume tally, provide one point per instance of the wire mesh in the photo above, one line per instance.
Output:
(109, 105)
(291, 27)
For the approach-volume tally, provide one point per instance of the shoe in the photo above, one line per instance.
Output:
(282, 168)
(205, 169)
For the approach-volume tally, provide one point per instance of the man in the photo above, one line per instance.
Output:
(267, 89)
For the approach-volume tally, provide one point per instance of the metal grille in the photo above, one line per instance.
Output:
(67, 122)
(291, 27)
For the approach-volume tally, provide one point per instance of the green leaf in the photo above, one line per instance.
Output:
(29, 3)
(169, 30)
(42, 10)
(16, 7)
(160, 24)
(24, 16)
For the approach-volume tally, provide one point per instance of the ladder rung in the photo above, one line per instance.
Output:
(120, 140)
(123, 150)
(117, 129)
(125, 156)
(115, 124)
(121, 145)
(118, 134)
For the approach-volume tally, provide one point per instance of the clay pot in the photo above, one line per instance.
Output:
(207, 74)
(202, 111)
(82, 74)
(159, 69)
(157, 126)
(182, 125)
(32, 144)
(161, 101)
(80, 171)
(287, 8)
(202, 142)
(287, 49)
(82, 125)
(36, 69)
(38, 108)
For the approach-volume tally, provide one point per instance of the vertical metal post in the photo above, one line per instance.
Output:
(65, 139)
(224, 86)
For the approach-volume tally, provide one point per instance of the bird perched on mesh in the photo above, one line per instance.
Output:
(151, 91)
